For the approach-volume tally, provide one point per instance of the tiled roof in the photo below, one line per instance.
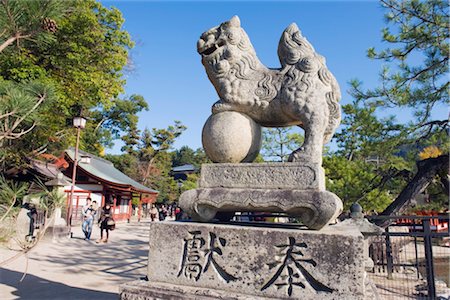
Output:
(184, 168)
(105, 170)
(47, 169)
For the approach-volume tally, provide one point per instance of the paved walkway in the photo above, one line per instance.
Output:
(77, 269)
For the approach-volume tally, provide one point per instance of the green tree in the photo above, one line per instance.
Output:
(120, 120)
(415, 28)
(20, 104)
(154, 143)
(415, 77)
(356, 181)
(84, 61)
(126, 163)
(24, 24)
(159, 178)
(186, 155)
(190, 183)
(279, 143)
(150, 162)
(10, 193)
(31, 22)
(88, 62)
(155, 161)
(200, 158)
(363, 135)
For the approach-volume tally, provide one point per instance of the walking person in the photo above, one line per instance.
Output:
(96, 213)
(154, 213)
(88, 218)
(32, 214)
(106, 223)
(162, 213)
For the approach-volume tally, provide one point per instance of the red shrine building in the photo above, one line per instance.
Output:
(99, 180)
(96, 178)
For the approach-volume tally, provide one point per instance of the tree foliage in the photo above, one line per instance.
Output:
(186, 155)
(149, 160)
(80, 49)
(356, 181)
(279, 143)
(19, 107)
(363, 134)
(10, 193)
(160, 179)
(29, 22)
(24, 24)
(415, 78)
(153, 144)
(120, 120)
(430, 152)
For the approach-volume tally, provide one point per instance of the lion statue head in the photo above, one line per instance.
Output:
(226, 47)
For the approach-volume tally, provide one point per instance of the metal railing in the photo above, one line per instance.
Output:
(405, 255)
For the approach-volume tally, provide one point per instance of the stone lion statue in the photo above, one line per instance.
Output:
(302, 92)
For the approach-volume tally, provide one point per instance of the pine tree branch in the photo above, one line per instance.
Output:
(16, 135)
(7, 43)
(8, 114)
(426, 170)
(427, 69)
(10, 134)
(9, 209)
(35, 106)
(403, 11)
(443, 124)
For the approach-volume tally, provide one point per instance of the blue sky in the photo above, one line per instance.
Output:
(169, 74)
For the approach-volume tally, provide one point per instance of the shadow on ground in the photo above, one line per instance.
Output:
(36, 288)
(124, 257)
(72, 268)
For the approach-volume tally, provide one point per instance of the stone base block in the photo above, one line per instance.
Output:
(297, 189)
(145, 290)
(212, 261)
(56, 233)
(303, 175)
(315, 209)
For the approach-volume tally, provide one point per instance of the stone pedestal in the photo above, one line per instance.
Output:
(212, 261)
(57, 228)
(297, 189)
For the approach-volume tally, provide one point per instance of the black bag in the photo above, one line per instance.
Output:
(111, 223)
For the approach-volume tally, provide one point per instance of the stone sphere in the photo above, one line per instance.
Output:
(231, 137)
